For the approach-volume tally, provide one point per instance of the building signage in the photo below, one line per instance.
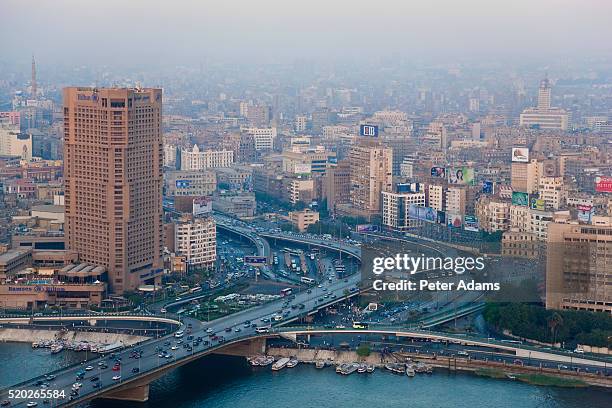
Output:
(470, 223)
(366, 228)
(37, 288)
(488, 187)
(520, 154)
(368, 130)
(537, 204)
(520, 198)
(255, 260)
(439, 172)
(603, 184)
(183, 183)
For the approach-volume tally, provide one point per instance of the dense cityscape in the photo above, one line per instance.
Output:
(448, 219)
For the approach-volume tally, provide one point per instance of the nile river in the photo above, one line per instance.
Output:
(228, 382)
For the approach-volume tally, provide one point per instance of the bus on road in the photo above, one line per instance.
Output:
(360, 325)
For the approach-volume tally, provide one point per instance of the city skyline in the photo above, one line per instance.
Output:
(417, 193)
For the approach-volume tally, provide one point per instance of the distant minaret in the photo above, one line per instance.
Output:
(33, 77)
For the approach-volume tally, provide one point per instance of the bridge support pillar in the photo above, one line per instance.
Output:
(246, 348)
(139, 393)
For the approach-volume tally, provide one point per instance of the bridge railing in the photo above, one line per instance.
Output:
(451, 336)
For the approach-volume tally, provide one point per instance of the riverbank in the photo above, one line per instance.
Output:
(35, 335)
(531, 375)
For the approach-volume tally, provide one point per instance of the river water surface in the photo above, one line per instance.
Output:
(229, 382)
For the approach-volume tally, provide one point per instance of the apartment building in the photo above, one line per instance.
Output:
(395, 209)
(196, 240)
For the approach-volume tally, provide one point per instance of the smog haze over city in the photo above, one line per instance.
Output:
(331, 203)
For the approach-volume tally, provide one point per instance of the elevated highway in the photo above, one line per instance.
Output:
(131, 380)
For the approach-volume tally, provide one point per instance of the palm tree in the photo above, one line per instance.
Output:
(554, 322)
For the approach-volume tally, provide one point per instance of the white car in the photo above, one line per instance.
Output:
(173, 348)
(88, 368)
(116, 378)
(77, 385)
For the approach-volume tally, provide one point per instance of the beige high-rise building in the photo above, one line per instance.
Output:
(493, 214)
(456, 200)
(371, 174)
(435, 196)
(544, 116)
(196, 240)
(579, 266)
(15, 143)
(113, 160)
(524, 177)
(552, 192)
(336, 185)
(303, 219)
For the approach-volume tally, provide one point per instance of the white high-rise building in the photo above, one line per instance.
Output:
(208, 159)
(395, 209)
(300, 123)
(263, 137)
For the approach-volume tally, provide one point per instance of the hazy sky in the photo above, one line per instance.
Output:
(185, 31)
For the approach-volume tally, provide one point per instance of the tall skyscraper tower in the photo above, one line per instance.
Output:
(33, 82)
(544, 95)
(113, 182)
(371, 167)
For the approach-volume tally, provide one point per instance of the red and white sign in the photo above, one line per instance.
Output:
(603, 184)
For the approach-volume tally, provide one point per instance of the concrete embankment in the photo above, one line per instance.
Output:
(34, 335)
(339, 357)
(449, 363)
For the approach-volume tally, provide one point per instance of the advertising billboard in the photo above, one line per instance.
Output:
(366, 228)
(461, 175)
(441, 217)
(416, 212)
(430, 215)
(505, 191)
(368, 130)
(603, 184)
(255, 260)
(520, 154)
(536, 204)
(302, 168)
(454, 220)
(585, 215)
(439, 172)
(202, 205)
(519, 198)
(470, 223)
(183, 183)
(488, 187)
(422, 213)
